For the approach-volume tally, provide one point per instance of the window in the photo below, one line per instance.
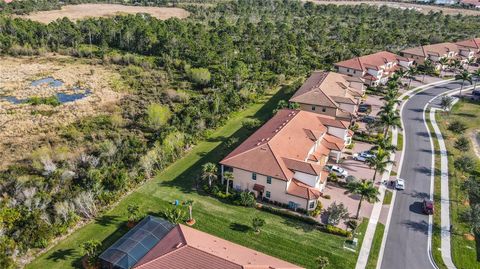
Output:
(254, 176)
(311, 205)
(324, 109)
(269, 180)
(348, 70)
(313, 108)
(267, 194)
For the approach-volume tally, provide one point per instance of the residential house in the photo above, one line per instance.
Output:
(374, 69)
(284, 160)
(156, 243)
(331, 94)
(469, 48)
(434, 53)
(470, 3)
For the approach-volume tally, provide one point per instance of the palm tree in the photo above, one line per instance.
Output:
(383, 143)
(469, 62)
(443, 62)
(412, 72)
(446, 103)
(189, 203)
(475, 74)
(464, 76)
(209, 172)
(389, 119)
(455, 64)
(366, 190)
(228, 176)
(427, 68)
(379, 161)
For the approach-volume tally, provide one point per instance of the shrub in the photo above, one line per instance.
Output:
(174, 214)
(317, 211)
(327, 196)
(245, 198)
(337, 231)
(462, 144)
(457, 127)
(289, 214)
(51, 101)
(91, 250)
(251, 124)
(322, 262)
(464, 163)
(158, 115)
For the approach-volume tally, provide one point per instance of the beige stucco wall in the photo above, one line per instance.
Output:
(329, 111)
(243, 181)
(349, 71)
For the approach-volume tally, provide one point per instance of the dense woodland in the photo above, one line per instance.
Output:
(184, 77)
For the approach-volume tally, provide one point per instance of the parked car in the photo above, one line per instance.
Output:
(400, 184)
(428, 206)
(476, 92)
(368, 119)
(364, 108)
(340, 172)
(363, 156)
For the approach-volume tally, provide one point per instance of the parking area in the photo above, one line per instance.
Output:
(375, 104)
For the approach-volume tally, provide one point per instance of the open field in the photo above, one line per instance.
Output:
(301, 243)
(77, 12)
(25, 127)
(402, 5)
(464, 252)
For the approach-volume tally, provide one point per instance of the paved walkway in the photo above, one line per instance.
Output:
(444, 197)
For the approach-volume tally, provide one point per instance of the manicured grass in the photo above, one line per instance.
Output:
(464, 252)
(284, 238)
(387, 199)
(436, 231)
(400, 141)
(376, 244)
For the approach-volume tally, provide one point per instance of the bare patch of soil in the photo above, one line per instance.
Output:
(77, 12)
(404, 5)
(25, 127)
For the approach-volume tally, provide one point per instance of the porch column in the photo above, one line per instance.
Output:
(339, 154)
(221, 169)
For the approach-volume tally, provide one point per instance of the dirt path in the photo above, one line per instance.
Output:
(403, 5)
(76, 12)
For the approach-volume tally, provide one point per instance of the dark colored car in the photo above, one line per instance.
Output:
(428, 207)
(476, 92)
(364, 108)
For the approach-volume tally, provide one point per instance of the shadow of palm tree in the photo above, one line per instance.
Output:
(61, 254)
(240, 227)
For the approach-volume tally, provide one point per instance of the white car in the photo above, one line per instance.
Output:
(400, 184)
(338, 171)
(363, 156)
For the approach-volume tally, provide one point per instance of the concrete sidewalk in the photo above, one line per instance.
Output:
(445, 198)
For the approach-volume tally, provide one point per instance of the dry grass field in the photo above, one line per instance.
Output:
(403, 5)
(76, 12)
(25, 127)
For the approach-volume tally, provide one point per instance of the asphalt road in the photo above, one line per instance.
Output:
(407, 238)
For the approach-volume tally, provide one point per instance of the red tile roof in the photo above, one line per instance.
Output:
(185, 247)
(300, 189)
(327, 89)
(433, 49)
(288, 135)
(371, 61)
(473, 43)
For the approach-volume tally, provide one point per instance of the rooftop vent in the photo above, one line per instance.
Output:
(179, 245)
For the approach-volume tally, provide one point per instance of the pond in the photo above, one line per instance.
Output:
(62, 97)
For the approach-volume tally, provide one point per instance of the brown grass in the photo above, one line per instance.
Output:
(403, 5)
(77, 12)
(22, 128)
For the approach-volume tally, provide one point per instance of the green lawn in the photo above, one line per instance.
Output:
(284, 238)
(436, 236)
(387, 199)
(375, 249)
(464, 252)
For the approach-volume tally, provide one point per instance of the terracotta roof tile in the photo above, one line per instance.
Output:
(433, 49)
(372, 61)
(283, 136)
(185, 247)
(300, 189)
(326, 89)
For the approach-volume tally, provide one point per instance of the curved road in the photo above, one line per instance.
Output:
(407, 239)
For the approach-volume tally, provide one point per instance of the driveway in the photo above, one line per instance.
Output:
(407, 239)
